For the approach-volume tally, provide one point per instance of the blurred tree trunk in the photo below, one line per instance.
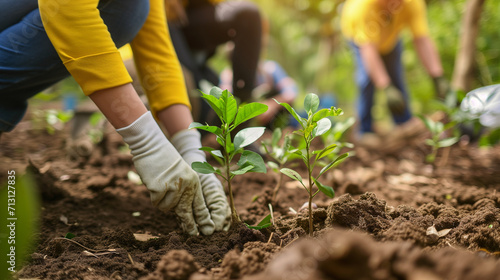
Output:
(463, 74)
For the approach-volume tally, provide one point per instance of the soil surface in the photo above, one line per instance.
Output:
(393, 217)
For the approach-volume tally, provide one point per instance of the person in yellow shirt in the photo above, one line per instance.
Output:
(44, 41)
(372, 28)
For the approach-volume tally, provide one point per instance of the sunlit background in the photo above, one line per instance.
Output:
(304, 37)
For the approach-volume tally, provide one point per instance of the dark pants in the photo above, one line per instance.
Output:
(28, 61)
(210, 26)
(394, 67)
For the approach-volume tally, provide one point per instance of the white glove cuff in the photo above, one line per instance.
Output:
(188, 143)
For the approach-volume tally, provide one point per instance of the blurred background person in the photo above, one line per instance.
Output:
(271, 82)
(373, 29)
(198, 27)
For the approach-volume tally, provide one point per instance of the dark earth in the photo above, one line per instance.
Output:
(379, 225)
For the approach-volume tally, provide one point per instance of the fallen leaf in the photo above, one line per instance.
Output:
(64, 219)
(143, 236)
(134, 178)
(443, 232)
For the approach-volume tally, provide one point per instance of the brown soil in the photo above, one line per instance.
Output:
(375, 228)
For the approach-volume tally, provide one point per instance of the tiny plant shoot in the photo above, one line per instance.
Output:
(231, 116)
(316, 124)
(281, 154)
(437, 129)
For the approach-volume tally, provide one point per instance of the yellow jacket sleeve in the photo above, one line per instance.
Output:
(86, 48)
(418, 20)
(83, 43)
(157, 63)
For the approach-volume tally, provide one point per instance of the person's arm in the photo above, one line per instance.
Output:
(429, 56)
(157, 64)
(425, 48)
(226, 79)
(377, 72)
(85, 46)
(374, 65)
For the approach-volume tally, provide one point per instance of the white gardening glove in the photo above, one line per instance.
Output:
(170, 180)
(188, 143)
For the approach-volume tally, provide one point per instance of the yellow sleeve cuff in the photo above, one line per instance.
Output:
(84, 71)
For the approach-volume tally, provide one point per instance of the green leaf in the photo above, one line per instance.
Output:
(249, 111)
(322, 127)
(212, 129)
(229, 145)
(324, 189)
(202, 167)
(254, 159)
(447, 142)
(341, 127)
(326, 151)
(429, 142)
(272, 165)
(439, 127)
(266, 222)
(95, 118)
(323, 113)
(311, 103)
(335, 162)
(229, 106)
(276, 137)
(287, 106)
(292, 174)
(214, 103)
(243, 170)
(217, 153)
(216, 92)
(247, 136)
(206, 149)
(69, 235)
(427, 122)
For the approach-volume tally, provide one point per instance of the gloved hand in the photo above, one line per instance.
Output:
(395, 100)
(170, 180)
(187, 142)
(442, 87)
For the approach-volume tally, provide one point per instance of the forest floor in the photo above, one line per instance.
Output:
(376, 227)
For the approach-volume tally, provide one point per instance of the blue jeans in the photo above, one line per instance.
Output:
(394, 67)
(29, 62)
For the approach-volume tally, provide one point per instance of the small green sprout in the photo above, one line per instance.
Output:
(96, 131)
(437, 129)
(335, 136)
(281, 154)
(266, 222)
(316, 124)
(51, 120)
(69, 235)
(231, 116)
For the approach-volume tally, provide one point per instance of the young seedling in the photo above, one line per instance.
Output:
(280, 153)
(316, 124)
(51, 120)
(231, 116)
(437, 129)
(335, 136)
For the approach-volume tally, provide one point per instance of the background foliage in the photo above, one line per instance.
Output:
(304, 37)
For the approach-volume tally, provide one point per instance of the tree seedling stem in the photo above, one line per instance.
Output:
(316, 124)
(231, 116)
